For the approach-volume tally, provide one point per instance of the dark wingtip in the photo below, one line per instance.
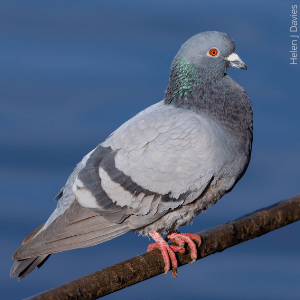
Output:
(26, 266)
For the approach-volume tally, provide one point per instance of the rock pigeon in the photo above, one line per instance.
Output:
(161, 168)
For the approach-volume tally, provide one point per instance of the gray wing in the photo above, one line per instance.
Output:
(161, 159)
(125, 197)
(169, 150)
(78, 227)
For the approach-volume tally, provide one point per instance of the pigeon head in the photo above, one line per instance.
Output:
(211, 53)
(199, 68)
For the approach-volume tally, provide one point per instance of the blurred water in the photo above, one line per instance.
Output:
(73, 71)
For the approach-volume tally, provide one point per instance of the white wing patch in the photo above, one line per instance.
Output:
(114, 190)
(83, 195)
(121, 197)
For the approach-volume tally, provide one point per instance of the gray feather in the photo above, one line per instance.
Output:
(26, 266)
(78, 227)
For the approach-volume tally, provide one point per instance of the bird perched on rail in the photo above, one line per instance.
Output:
(161, 168)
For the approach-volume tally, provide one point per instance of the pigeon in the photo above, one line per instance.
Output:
(161, 168)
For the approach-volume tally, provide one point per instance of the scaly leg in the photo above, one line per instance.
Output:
(168, 251)
(182, 238)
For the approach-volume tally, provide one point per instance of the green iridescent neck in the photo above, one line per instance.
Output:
(184, 76)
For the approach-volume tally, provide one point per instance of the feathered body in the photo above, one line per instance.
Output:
(162, 167)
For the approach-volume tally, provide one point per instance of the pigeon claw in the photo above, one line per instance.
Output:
(182, 238)
(167, 251)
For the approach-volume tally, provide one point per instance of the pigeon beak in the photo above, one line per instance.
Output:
(235, 61)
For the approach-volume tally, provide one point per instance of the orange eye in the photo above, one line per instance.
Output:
(213, 52)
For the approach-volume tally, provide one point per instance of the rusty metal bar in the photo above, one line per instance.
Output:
(147, 265)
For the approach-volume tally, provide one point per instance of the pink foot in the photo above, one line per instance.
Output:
(182, 238)
(168, 251)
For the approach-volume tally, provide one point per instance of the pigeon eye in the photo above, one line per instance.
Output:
(213, 52)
